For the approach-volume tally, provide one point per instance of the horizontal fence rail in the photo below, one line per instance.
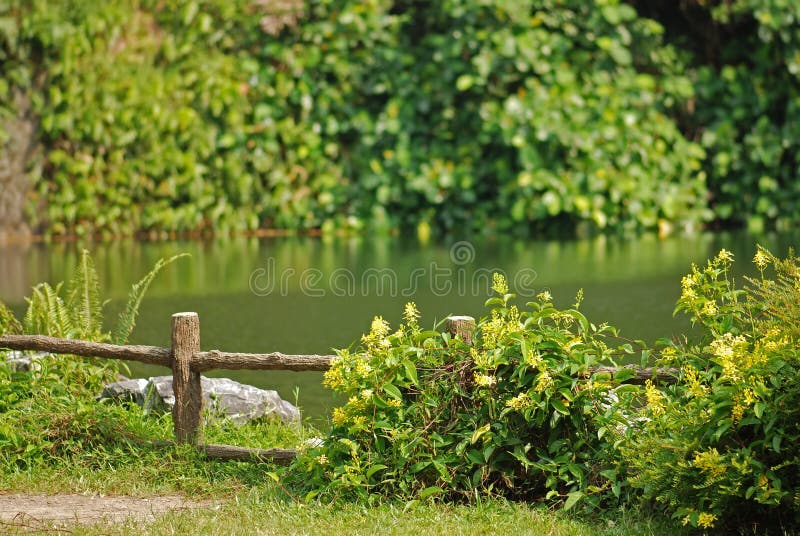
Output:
(152, 355)
(187, 362)
(216, 359)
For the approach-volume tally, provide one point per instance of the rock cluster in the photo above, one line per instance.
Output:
(238, 402)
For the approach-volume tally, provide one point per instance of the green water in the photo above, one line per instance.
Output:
(309, 295)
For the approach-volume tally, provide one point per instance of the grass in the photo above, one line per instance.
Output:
(255, 515)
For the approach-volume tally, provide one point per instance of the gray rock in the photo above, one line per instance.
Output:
(23, 361)
(239, 402)
(126, 391)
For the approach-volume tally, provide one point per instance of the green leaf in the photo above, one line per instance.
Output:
(392, 390)
(411, 371)
(430, 492)
(624, 374)
(559, 406)
(476, 435)
(572, 499)
(374, 469)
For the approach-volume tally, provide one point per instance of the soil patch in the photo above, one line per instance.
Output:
(25, 510)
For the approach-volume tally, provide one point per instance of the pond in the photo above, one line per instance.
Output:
(310, 295)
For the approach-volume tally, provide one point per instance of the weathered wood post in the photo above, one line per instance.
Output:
(186, 382)
(460, 326)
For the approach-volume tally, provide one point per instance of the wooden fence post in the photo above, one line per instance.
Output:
(185, 382)
(460, 326)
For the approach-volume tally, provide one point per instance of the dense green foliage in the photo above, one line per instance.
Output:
(212, 115)
(722, 447)
(745, 61)
(509, 415)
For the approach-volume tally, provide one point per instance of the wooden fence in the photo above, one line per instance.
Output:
(187, 361)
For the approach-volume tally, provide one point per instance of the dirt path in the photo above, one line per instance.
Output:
(25, 510)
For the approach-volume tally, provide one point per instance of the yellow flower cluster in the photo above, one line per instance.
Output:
(411, 314)
(544, 297)
(376, 338)
(761, 259)
(482, 360)
(710, 308)
(499, 326)
(339, 416)
(723, 257)
(692, 379)
(730, 350)
(484, 380)
(520, 402)
(655, 398)
(544, 382)
(534, 359)
(499, 283)
(669, 354)
(706, 520)
(345, 371)
(688, 284)
(711, 462)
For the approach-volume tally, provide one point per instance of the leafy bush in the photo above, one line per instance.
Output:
(217, 115)
(511, 415)
(722, 446)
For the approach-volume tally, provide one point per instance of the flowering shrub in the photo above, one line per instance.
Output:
(721, 447)
(514, 414)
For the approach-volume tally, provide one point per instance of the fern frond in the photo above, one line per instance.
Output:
(83, 300)
(47, 313)
(127, 318)
(8, 322)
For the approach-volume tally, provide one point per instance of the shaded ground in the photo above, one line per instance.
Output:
(31, 511)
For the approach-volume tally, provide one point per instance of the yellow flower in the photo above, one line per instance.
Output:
(710, 308)
(379, 327)
(655, 398)
(484, 380)
(535, 360)
(544, 297)
(339, 416)
(669, 354)
(411, 313)
(544, 382)
(322, 459)
(482, 360)
(761, 259)
(710, 462)
(696, 388)
(520, 402)
(729, 350)
(750, 396)
(499, 284)
(706, 520)
(737, 412)
(724, 257)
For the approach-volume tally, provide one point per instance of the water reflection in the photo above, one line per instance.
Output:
(632, 283)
